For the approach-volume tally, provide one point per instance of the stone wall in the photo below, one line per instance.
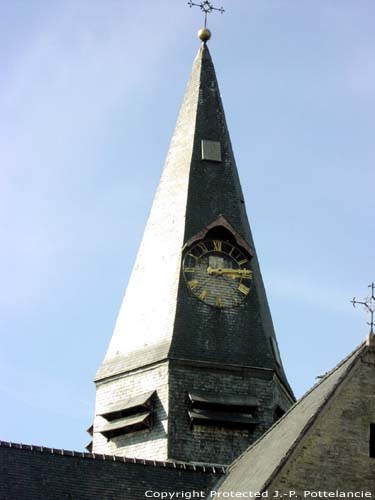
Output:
(334, 454)
(149, 444)
(218, 445)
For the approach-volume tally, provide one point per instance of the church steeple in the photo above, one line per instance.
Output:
(193, 370)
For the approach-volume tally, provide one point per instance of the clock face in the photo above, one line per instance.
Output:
(217, 273)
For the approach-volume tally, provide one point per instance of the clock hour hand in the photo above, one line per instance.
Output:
(233, 273)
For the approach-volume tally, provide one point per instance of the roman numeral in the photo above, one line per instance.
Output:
(203, 247)
(203, 294)
(192, 284)
(217, 245)
(219, 302)
(247, 274)
(192, 255)
(189, 270)
(243, 289)
(242, 262)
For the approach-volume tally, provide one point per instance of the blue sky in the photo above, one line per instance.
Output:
(89, 96)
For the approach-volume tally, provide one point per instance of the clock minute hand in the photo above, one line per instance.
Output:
(234, 273)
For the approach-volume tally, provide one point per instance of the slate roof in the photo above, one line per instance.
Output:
(256, 467)
(35, 472)
(159, 318)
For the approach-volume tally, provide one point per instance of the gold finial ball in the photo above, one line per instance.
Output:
(204, 34)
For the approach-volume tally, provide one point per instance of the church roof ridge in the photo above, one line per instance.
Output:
(351, 360)
(201, 467)
(298, 402)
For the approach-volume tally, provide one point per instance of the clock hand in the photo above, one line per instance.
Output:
(234, 273)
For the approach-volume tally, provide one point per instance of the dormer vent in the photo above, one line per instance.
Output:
(129, 415)
(222, 411)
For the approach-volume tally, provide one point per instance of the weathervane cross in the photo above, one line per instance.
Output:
(205, 7)
(369, 305)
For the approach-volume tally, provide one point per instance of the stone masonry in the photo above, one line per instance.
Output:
(334, 454)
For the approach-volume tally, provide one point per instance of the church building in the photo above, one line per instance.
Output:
(192, 400)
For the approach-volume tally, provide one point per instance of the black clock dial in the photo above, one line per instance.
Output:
(218, 273)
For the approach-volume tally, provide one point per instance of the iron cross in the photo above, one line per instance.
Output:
(206, 7)
(369, 304)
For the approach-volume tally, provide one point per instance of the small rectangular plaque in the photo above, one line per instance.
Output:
(211, 150)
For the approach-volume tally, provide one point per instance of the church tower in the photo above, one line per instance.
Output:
(193, 371)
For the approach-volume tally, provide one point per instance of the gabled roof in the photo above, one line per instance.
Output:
(255, 469)
(165, 464)
(30, 472)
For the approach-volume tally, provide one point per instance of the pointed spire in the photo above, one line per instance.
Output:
(199, 185)
(179, 342)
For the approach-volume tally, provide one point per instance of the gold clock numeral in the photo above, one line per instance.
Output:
(203, 294)
(243, 289)
(217, 245)
(246, 274)
(231, 252)
(193, 284)
(203, 247)
(219, 302)
(192, 255)
(242, 262)
(189, 270)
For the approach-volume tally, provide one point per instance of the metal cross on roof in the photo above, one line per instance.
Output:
(369, 305)
(206, 7)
